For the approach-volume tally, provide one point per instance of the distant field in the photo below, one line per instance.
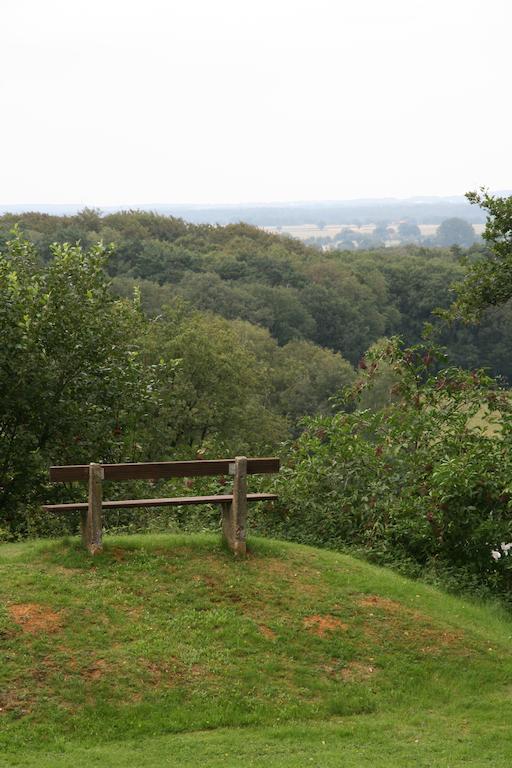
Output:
(305, 231)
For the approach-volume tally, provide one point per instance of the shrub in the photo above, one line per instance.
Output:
(426, 479)
(72, 384)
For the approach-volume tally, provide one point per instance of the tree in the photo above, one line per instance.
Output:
(348, 317)
(72, 385)
(455, 232)
(306, 377)
(409, 232)
(219, 392)
(382, 231)
(488, 281)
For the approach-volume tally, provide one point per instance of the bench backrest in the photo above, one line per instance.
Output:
(160, 470)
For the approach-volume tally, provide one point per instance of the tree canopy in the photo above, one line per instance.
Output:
(488, 281)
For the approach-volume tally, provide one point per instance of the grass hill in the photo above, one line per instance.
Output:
(166, 651)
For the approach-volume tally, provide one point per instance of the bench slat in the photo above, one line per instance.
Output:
(159, 470)
(130, 503)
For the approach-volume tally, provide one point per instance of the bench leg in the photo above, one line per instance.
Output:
(234, 515)
(83, 527)
(227, 523)
(91, 523)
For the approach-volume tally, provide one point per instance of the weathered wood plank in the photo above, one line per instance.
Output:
(227, 521)
(234, 515)
(160, 470)
(178, 501)
(91, 522)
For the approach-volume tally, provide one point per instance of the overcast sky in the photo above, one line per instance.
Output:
(109, 102)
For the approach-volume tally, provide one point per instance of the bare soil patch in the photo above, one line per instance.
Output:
(356, 671)
(160, 673)
(96, 670)
(319, 625)
(403, 624)
(438, 640)
(267, 632)
(35, 619)
(353, 672)
(376, 601)
(14, 699)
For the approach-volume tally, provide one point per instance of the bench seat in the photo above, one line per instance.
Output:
(179, 501)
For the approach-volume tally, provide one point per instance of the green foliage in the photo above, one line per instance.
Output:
(426, 479)
(488, 282)
(219, 394)
(305, 378)
(341, 300)
(347, 307)
(455, 232)
(72, 383)
(409, 232)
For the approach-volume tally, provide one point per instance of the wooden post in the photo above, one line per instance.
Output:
(240, 504)
(83, 527)
(91, 520)
(234, 515)
(227, 523)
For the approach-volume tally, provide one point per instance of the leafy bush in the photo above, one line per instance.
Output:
(425, 480)
(73, 386)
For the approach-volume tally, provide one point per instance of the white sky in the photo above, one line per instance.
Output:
(108, 102)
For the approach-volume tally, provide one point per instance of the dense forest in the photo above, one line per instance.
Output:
(135, 336)
(340, 301)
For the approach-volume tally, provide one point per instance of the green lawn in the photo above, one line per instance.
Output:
(166, 651)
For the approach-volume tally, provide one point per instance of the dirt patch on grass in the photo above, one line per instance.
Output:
(171, 672)
(15, 700)
(295, 581)
(161, 673)
(134, 611)
(353, 672)
(64, 571)
(356, 672)
(439, 640)
(285, 569)
(267, 632)
(405, 627)
(118, 554)
(320, 625)
(207, 581)
(376, 601)
(276, 567)
(96, 671)
(398, 610)
(35, 619)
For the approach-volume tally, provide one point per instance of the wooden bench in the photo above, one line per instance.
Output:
(234, 505)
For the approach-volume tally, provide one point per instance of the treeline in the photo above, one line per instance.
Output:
(452, 231)
(342, 301)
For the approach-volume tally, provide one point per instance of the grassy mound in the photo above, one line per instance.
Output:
(304, 648)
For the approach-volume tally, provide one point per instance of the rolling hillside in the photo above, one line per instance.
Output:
(166, 651)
